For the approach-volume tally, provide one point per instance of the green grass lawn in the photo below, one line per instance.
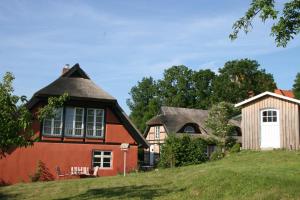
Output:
(246, 175)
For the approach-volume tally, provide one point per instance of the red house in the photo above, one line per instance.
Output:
(86, 132)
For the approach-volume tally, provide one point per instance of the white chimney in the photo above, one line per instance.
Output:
(65, 68)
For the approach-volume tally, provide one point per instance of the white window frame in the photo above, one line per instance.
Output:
(157, 132)
(74, 123)
(270, 116)
(94, 123)
(52, 124)
(102, 156)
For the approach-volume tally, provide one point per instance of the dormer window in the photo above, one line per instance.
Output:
(53, 126)
(95, 122)
(74, 124)
(189, 129)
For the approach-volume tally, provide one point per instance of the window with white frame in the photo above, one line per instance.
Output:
(269, 115)
(157, 132)
(74, 122)
(53, 126)
(102, 159)
(95, 122)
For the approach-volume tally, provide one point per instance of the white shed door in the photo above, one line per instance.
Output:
(270, 129)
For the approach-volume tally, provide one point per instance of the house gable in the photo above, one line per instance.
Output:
(85, 94)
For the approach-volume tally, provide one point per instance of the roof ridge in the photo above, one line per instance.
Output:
(268, 93)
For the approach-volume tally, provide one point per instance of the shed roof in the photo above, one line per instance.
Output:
(267, 94)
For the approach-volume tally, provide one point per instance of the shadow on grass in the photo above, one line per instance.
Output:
(8, 196)
(125, 192)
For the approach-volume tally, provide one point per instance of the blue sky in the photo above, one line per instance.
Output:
(119, 42)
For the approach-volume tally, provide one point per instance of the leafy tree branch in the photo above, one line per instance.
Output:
(284, 29)
(16, 119)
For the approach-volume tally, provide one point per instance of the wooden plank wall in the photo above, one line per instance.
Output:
(289, 122)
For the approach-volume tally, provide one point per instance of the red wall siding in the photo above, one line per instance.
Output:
(22, 162)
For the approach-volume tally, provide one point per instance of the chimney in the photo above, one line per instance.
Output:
(65, 68)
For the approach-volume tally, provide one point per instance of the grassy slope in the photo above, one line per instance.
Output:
(247, 175)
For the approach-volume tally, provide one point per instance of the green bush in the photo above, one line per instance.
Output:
(229, 142)
(180, 151)
(217, 154)
(236, 148)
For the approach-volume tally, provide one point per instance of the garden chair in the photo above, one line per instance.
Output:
(59, 173)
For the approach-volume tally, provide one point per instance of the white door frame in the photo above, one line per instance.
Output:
(269, 128)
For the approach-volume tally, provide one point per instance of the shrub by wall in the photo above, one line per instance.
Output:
(184, 150)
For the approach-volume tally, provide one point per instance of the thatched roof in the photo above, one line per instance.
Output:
(175, 118)
(77, 84)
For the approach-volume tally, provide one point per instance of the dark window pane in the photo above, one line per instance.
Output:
(106, 164)
(90, 112)
(78, 118)
(97, 153)
(90, 119)
(79, 111)
(269, 119)
(274, 113)
(107, 153)
(264, 119)
(265, 113)
(274, 119)
(106, 159)
(97, 165)
(269, 113)
(97, 159)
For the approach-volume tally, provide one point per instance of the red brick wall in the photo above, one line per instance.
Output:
(54, 152)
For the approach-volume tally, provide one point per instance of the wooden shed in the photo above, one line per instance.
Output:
(270, 121)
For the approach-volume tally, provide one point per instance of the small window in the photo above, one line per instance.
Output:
(189, 129)
(269, 116)
(95, 122)
(102, 159)
(157, 132)
(53, 126)
(74, 124)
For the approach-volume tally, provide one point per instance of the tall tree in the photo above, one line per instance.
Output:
(176, 87)
(202, 82)
(144, 102)
(16, 119)
(284, 29)
(239, 79)
(296, 86)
